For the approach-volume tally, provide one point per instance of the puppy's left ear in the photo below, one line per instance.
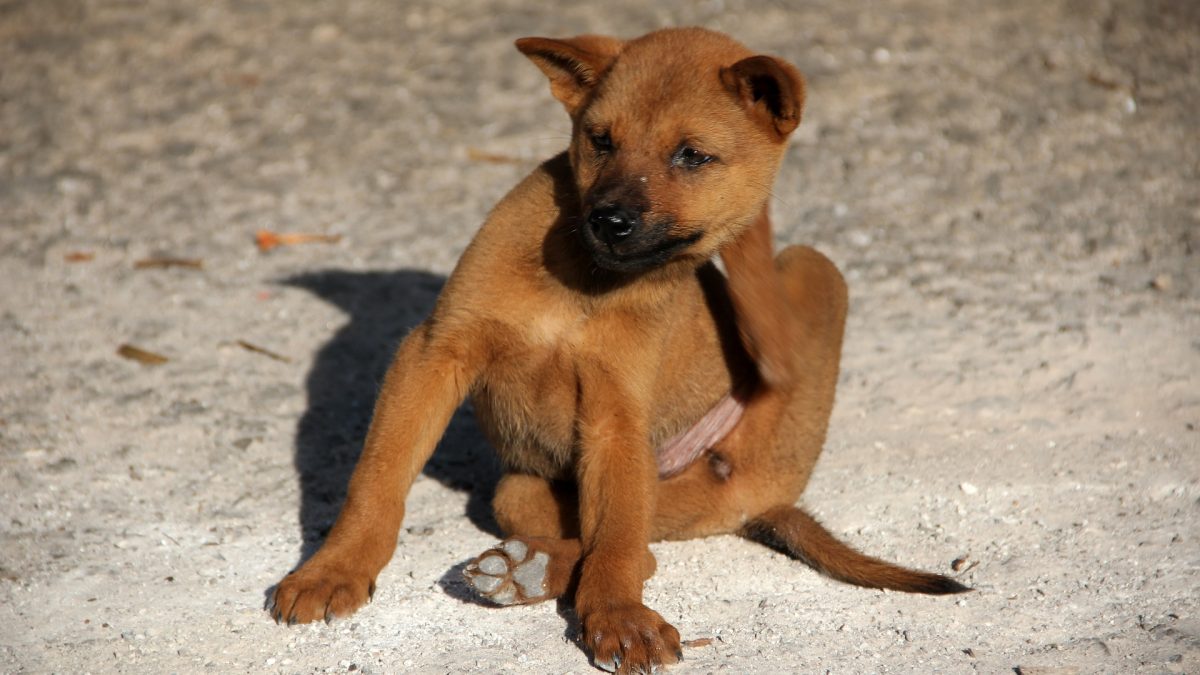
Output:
(772, 90)
(574, 65)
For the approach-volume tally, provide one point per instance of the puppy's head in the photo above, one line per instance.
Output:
(677, 136)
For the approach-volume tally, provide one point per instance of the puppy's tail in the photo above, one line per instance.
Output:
(793, 532)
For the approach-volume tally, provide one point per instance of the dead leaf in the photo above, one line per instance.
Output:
(79, 256)
(141, 355)
(1102, 82)
(698, 642)
(267, 240)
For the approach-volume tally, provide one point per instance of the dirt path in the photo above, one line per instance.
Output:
(1010, 188)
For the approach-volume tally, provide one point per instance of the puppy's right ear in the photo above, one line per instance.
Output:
(574, 65)
(771, 89)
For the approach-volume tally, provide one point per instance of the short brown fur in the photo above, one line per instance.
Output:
(589, 325)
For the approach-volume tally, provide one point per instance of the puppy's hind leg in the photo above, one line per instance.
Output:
(816, 295)
(539, 559)
(532, 506)
(816, 298)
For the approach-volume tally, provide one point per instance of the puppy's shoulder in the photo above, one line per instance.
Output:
(505, 260)
(511, 239)
(536, 201)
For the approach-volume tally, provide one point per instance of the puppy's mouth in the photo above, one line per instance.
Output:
(616, 258)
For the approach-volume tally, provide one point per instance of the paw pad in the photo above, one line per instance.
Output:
(508, 574)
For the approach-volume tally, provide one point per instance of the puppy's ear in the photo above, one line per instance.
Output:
(772, 90)
(574, 65)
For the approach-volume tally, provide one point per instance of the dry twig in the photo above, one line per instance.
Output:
(262, 350)
(164, 263)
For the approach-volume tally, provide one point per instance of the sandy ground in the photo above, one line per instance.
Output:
(1011, 189)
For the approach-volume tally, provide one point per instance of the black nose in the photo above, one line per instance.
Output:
(612, 223)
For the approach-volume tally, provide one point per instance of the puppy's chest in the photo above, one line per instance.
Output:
(527, 400)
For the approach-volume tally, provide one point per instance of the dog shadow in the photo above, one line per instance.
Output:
(341, 387)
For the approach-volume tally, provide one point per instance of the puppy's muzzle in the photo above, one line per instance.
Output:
(621, 239)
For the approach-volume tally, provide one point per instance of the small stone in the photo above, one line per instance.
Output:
(968, 488)
(860, 238)
(1161, 282)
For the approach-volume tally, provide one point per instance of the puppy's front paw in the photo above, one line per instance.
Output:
(512, 573)
(630, 639)
(318, 591)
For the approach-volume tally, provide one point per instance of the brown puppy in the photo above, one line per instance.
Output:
(605, 352)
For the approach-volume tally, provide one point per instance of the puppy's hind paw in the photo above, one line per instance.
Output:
(513, 573)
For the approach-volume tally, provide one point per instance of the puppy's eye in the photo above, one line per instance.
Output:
(601, 141)
(690, 158)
